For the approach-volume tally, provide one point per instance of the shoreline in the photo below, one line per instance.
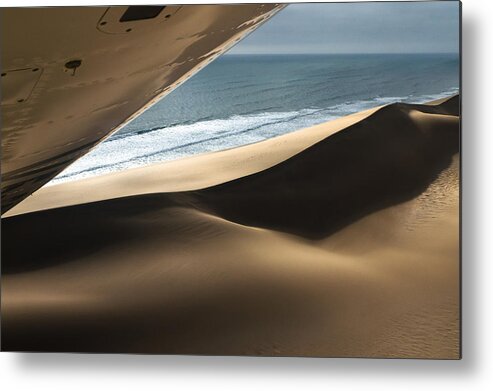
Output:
(149, 179)
(213, 135)
(339, 240)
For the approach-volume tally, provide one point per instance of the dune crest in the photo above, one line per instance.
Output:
(338, 240)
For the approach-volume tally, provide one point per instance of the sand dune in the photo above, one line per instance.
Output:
(337, 240)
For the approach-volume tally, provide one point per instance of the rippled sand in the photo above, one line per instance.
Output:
(337, 240)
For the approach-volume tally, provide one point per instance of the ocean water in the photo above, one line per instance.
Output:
(242, 99)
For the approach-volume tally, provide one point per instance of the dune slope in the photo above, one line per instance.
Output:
(347, 246)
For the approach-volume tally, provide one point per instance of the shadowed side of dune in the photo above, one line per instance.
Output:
(388, 158)
(381, 161)
(450, 105)
(176, 273)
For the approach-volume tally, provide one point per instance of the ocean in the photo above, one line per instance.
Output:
(243, 99)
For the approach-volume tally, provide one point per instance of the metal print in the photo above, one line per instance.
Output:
(298, 196)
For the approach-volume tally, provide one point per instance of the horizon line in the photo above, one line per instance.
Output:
(332, 53)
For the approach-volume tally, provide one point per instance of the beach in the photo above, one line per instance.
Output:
(338, 240)
(243, 99)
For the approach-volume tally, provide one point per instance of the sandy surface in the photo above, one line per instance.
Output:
(337, 240)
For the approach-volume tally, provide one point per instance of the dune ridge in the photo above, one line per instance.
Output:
(342, 241)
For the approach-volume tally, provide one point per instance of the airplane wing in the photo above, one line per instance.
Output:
(72, 76)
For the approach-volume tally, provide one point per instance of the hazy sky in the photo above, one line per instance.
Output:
(397, 27)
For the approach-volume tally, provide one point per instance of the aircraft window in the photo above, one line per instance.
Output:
(141, 12)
